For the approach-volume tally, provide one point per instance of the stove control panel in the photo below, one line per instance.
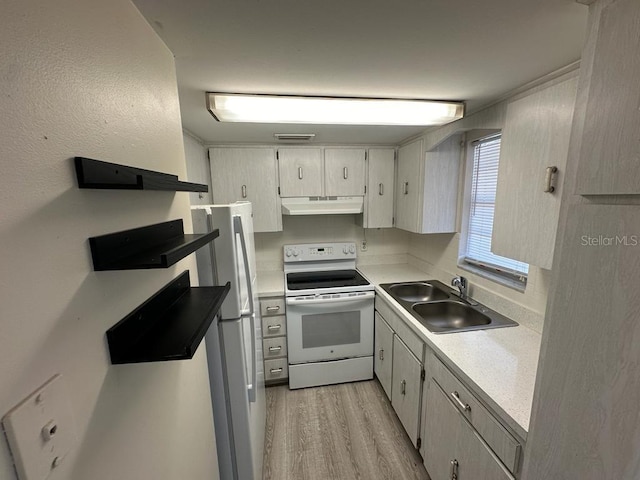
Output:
(318, 252)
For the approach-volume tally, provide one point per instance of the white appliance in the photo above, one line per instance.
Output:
(329, 315)
(234, 342)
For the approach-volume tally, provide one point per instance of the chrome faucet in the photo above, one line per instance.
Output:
(461, 284)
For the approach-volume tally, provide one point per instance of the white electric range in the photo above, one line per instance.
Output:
(329, 315)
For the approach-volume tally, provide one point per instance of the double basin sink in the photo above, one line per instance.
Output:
(441, 310)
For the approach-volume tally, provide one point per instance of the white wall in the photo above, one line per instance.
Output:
(198, 170)
(91, 78)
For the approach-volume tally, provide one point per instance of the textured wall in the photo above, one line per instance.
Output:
(91, 78)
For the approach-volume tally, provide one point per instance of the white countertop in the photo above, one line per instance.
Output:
(499, 364)
(270, 283)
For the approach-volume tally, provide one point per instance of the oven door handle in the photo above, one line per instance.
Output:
(292, 301)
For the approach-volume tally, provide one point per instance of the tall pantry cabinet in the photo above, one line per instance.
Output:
(589, 371)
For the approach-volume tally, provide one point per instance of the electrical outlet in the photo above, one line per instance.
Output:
(40, 431)
(363, 246)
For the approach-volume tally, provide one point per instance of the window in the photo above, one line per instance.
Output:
(484, 180)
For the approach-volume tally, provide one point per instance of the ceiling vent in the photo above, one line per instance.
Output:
(295, 137)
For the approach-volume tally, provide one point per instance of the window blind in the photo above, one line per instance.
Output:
(486, 154)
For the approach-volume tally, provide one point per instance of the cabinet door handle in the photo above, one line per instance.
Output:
(300, 173)
(403, 387)
(273, 308)
(406, 188)
(549, 178)
(453, 473)
(380, 189)
(464, 406)
(275, 349)
(345, 173)
(381, 355)
(276, 370)
(273, 328)
(244, 191)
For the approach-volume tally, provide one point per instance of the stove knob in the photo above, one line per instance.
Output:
(296, 253)
(352, 249)
(288, 252)
(345, 249)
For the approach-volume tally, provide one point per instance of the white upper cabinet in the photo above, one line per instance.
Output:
(344, 171)
(535, 138)
(427, 187)
(300, 172)
(248, 174)
(407, 185)
(610, 153)
(378, 202)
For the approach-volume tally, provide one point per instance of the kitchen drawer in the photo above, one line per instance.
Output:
(274, 347)
(276, 369)
(274, 326)
(272, 306)
(503, 444)
(399, 326)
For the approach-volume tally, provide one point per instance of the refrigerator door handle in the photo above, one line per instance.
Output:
(252, 387)
(238, 230)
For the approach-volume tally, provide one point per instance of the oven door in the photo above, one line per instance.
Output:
(330, 327)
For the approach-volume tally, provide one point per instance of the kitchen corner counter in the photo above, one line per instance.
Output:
(270, 283)
(498, 364)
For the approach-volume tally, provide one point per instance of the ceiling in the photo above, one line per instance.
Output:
(468, 50)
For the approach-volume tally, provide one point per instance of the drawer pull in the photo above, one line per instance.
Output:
(273, 328)
(275, 349)
(453, 473)
(273, 309)
(464, 406)
(381, 354)
(276, 370)
(403, 387)
(548, 179)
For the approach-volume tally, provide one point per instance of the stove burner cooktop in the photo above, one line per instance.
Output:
(325, 279)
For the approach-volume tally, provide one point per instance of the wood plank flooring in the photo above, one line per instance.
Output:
(341, 432)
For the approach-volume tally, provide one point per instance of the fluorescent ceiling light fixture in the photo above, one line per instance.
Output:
(233, 107)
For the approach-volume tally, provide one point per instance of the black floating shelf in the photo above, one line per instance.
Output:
(168, 326)
(98, 174)
(154, 246)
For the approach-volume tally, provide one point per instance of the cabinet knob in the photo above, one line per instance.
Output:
(345, 173)
(380, 189)
(381, 354)
(406, 188)
(403, 387)
(300, 173)
(244, 191)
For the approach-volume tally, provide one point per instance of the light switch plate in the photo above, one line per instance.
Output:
(41, 431)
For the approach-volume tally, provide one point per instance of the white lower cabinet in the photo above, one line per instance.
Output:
(274, 339)
(383, 354)
(453, 450)
(398, 366)
(406, 388)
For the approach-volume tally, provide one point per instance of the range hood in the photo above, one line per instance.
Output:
(322, 205)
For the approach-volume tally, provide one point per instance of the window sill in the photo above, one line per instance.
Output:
(481, 272)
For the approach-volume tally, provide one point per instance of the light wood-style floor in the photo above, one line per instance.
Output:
(340, 432)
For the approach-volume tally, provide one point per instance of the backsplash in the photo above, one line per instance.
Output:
(384, 245)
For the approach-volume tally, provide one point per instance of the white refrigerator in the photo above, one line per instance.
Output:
(234, 341)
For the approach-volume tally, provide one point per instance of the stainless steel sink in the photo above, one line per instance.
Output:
(418, 292)
(441, 310)
(446, 316)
